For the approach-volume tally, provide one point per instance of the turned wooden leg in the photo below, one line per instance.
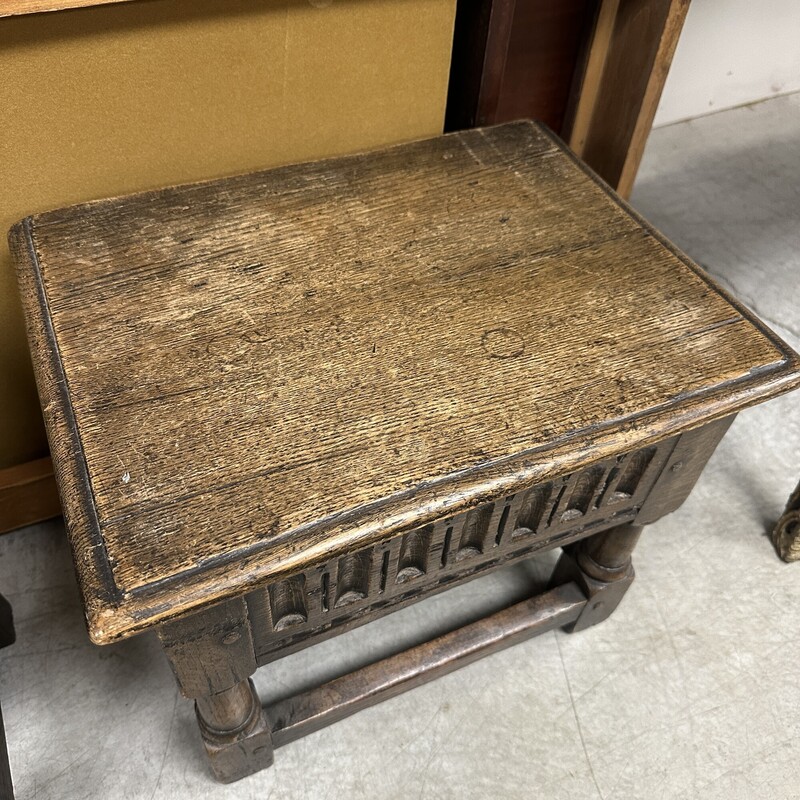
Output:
(235, 732)
(212, 656)
(601, 566)
(786, 534)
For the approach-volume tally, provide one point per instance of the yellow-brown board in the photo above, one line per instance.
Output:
(113, 99)
(27, 494)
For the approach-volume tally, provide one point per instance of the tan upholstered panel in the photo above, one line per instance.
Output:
(113, 99)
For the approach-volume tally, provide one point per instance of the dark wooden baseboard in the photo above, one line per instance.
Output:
(28, 494)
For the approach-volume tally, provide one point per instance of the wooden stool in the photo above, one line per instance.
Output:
(284, 404)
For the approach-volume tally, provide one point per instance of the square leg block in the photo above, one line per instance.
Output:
(603, 597)
(236, 734)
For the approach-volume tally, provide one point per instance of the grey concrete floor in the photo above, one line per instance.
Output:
(692, 689)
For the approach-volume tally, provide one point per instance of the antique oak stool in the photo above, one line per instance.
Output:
(283, 404)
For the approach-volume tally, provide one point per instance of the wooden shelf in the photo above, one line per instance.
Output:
(28, 494)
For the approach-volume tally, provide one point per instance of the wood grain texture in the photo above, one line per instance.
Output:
(28, 494)
(316, 708)
(12, 8)
(105, 101)
(211, 655)
(667, 43)
(623, 84)
(545, 48)
(247, 377)
(587, 91)
(359, 587)
(290, 614)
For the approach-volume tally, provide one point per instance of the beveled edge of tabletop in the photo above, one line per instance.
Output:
(113, 614)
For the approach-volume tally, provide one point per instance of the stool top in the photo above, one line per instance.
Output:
(244, 377)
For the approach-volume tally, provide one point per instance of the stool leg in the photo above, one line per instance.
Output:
(212, 656)
(601, 566)
(237, 739)
(786, 535)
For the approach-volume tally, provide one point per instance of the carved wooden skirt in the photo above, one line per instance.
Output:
(284, 404)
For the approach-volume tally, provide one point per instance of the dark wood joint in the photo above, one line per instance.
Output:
(601, 566)
(235, 732)
(211, 651)
(682, 470)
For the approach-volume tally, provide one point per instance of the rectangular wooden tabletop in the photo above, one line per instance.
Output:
(246, 376)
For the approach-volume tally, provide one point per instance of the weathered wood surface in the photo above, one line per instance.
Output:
(292, 613)
(213, 656)
(359, 587)
(316, 708)
(246, 377)
(10, 8)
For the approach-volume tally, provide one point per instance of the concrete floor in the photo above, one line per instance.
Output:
(692, 690)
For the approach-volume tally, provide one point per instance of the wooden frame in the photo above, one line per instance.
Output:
(601, 96)
(629, 59)
(516, 59)
(28, 494)
(239, 735)
(329, 478)
(116, 548)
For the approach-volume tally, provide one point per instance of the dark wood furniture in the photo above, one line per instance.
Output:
(593, 70)
(7, 637)
(786, 534)
(283, 404)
